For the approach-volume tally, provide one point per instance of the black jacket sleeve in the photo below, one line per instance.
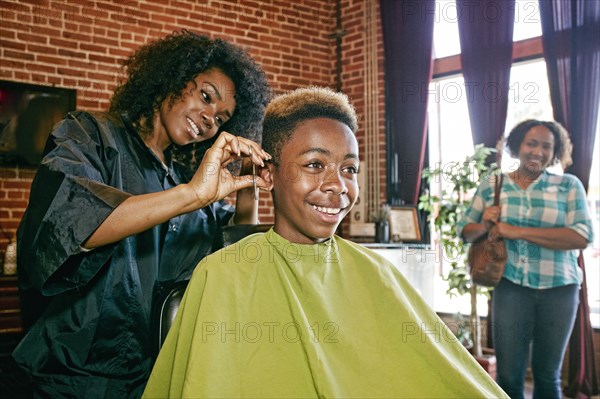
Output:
(73, 192)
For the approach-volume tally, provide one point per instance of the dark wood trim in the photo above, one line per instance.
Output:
(522, 51)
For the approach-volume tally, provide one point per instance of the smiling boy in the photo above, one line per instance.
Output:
(300, 312)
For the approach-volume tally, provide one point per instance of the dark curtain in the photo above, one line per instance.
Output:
(407, 28)
(486, 38)
(571, 40)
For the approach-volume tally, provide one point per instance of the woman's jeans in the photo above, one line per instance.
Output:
(542, 318)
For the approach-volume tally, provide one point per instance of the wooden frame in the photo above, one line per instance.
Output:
(404, 224)
(27, 116)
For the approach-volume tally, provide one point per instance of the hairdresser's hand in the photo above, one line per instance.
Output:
(490, 217)
(213, 181)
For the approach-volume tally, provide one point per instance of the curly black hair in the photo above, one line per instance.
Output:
(164, 67)
(562, 142)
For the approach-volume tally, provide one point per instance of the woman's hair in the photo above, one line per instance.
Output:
(163, 68)
(562, 142)
(288, 110)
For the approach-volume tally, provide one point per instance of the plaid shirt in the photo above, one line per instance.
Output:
(550, 201)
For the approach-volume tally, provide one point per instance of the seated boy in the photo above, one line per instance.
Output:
(300, 312)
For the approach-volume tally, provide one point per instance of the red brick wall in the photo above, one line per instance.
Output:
(80, 45)
(353, 79)
(14, 194)
(353, 73)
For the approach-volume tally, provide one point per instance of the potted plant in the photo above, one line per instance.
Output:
(381, 218)
(445, 211)
(462, 331)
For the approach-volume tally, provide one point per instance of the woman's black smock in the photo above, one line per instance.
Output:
(91, 309)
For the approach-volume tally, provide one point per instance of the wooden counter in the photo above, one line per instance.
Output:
(10, 312)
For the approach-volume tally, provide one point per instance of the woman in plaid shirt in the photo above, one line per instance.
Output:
(544, 220)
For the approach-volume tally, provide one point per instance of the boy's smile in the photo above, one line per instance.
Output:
(315, 185)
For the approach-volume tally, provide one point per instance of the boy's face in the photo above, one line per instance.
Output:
(315, 185)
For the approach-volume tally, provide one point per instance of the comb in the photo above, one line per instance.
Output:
(254, 196)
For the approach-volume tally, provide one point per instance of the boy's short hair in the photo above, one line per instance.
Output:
(286, 111)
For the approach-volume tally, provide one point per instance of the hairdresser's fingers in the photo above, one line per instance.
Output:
(228, 148)
(245, 181)
(251, 148)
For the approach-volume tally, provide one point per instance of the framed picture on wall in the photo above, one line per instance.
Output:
(404, 224)
(27, 114)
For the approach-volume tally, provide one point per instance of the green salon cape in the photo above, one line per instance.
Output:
(266, 318)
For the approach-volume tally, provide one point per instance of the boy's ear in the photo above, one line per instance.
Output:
(266, 174)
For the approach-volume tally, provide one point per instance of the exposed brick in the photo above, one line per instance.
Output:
(26, 173)
(54, 80)
(98, 33)
(110, 25)
(10, 204)
(82, 20)
(70, 72)
(18, 55)
(8, 35)
(100, 77)
(22, 76)
(55, 23)
(92, 47)
(100, 58)
(41, 68)
(87, 41)
(16, 7)
(5, 174)
(11, 225)
(119, 52)
(45, 31)
(30, 38)
(63, 45)
(110, 68)
(179, 4)
(92, 15)
(41, 49)
(186, 14)
(71, 26)
(17, 214)
(14, 195)
(79, 37)
(87, 104)
(87, 65)
(11, 64)
(70, 83)
(4, 44)
(154, 9)
(39, 78)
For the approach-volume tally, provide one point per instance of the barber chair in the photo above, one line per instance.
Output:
(168, 301)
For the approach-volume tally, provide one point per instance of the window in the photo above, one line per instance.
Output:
(527, 20)
(450, 132)
(445, 33)
(446, 40)
(592, 253)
